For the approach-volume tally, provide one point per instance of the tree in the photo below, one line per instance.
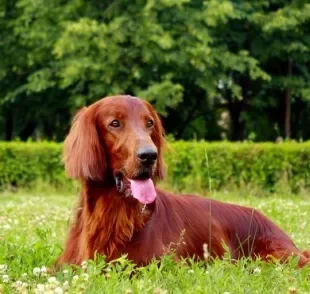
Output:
(195, 61)
(284, 49)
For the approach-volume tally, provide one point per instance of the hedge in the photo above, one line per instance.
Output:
(190, 164)
(263, 165)
(24, 164)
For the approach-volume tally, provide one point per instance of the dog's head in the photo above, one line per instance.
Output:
(120, 138)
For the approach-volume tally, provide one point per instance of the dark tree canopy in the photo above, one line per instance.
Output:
(213, 69)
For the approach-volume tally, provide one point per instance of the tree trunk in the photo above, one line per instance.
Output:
(236, 109)
(8, 125)
(237, 126)
(287, 121)
(27, 131)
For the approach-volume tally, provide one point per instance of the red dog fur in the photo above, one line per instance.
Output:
(103, 143)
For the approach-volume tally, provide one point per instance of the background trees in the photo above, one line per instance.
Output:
(213, 69)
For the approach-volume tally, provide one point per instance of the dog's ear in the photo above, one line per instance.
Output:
(158, 137)
(83, 154)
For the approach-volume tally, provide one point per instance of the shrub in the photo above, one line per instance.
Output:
(191, 165)
(262, 165)
(24, 164)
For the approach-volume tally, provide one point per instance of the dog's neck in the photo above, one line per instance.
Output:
(110, 219)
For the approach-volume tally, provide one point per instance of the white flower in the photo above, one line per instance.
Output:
(36, 271)
(24, 275)
(43, 271)
(75, 278)
(66, 284)
(190, 271)
(25, 285)
(3, 268)
(85, 276)
(84, 264)
(52, 280)
(257, 270)
(5, 278)
(58, 290)
(65, 272)
(18, 284)
(40, 287)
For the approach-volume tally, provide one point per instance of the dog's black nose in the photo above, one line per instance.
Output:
(147, 155)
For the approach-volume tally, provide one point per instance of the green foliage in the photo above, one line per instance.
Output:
(198, 166)
(173, 94)
(228, 58)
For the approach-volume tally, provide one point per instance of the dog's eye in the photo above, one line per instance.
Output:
(150, 123)
(115, 123)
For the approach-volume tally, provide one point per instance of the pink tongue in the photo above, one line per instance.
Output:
(143, 190)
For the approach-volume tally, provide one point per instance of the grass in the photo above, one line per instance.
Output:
(33, 228)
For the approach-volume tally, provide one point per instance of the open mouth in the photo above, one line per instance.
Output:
(141, 188)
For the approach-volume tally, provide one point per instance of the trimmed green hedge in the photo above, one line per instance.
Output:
(264, 165)
(25, 164)
(190, 165)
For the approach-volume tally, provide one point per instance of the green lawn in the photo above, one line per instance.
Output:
(33, 228)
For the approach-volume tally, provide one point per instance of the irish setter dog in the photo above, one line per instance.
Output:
(115, 148)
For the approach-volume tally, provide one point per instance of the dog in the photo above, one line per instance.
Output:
(115, 148)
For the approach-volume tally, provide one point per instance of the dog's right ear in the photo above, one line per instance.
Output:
(83, 154)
